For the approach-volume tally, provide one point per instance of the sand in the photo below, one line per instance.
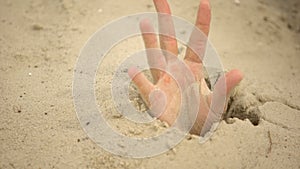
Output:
(40, 43)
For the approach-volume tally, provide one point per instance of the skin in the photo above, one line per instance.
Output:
(168, 99)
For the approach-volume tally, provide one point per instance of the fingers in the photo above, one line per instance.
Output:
(148, 34)
(167, 37)
(204, 17)
(142, 83)
(218, 99)
(154, 55)
(233, 78)
(158, 102)
(226, 83)
(198, 39)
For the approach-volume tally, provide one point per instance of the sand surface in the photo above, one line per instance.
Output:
(40, 43)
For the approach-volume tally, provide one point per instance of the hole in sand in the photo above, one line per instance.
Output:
(243, 105)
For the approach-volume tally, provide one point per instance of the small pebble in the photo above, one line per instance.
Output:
(117, 116)
(37, 27)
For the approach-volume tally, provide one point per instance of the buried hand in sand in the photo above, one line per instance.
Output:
(163, 81)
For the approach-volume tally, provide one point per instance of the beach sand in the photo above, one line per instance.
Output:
(40, 44)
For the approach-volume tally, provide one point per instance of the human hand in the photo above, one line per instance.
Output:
(167, 102)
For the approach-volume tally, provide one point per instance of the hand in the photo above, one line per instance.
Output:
(169, 101)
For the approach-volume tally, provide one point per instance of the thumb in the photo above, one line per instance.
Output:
(222, 89)
(233, 78)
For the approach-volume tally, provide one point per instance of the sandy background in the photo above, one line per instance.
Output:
(40, 43)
